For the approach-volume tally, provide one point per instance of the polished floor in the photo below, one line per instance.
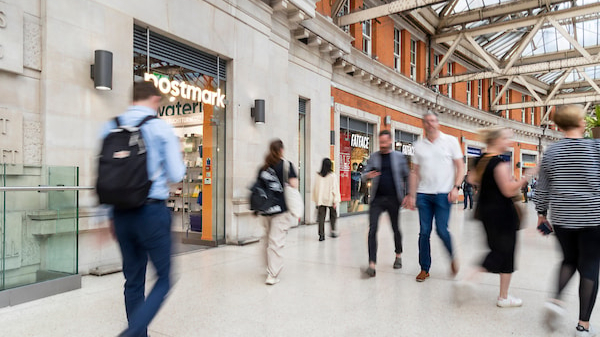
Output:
(323, 291)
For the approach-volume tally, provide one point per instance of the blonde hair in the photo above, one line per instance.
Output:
(568, 117)
(489, 135)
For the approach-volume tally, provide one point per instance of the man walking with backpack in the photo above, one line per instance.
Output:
(141, 220)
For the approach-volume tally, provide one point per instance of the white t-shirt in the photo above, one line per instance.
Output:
(436, 163)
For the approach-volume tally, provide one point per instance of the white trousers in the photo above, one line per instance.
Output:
(276, 231)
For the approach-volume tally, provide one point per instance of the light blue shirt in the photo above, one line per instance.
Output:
(164, 160)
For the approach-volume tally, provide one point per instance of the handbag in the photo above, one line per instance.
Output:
(293, 199)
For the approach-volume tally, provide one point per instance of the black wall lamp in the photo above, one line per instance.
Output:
(101, 70)
(258, 111)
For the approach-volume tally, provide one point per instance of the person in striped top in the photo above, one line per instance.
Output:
(569, 187)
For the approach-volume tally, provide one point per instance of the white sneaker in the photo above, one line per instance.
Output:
(509, 302)
(554, 315)
(271, 280)
(584, 333)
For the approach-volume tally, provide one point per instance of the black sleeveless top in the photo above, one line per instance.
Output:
(492, 205)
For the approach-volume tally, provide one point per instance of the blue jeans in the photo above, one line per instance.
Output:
(430, 206)
(144, 233)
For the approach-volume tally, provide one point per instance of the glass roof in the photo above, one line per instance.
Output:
(502, 45)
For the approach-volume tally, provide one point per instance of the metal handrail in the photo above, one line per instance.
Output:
(44, 188)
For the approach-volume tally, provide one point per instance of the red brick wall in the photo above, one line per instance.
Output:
(383, 41)
(405, 57)
(459, 91)
(421, 62)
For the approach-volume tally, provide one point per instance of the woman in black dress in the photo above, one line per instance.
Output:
(497, 211)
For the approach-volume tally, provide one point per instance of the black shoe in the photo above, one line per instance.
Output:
(370, 271)
(398, 263)
(333, 235)
(321, 237)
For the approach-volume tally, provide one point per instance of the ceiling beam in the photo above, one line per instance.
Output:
(590, 80)
(569, 38)
(496, 10)
(383, 10)
(562, 100)
(529, 87)
(578, 84)
(542, 67)
(518, 23)
(559, 84)
(556, 56)
(444, 59)
(523, 44)
(504, 88)
(336, 7)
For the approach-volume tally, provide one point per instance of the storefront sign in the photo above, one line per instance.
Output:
(529, 165)
(408, 150)
(187, 91)
(359, 141)
(473, 151)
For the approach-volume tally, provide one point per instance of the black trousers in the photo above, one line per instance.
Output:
(321, 218)
(378, 206)
(581, 252)
(469, 196)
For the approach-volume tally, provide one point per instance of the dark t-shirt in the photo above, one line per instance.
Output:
(386, 187)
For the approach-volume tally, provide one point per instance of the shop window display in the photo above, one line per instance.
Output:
(355, 149)
(193, 105)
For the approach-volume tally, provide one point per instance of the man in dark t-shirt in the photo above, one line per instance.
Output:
(388, 171)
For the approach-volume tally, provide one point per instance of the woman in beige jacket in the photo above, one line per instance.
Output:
(326, 194)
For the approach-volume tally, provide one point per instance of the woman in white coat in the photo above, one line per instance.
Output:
(326, 194)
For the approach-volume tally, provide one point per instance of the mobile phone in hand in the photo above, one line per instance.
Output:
(545, 228)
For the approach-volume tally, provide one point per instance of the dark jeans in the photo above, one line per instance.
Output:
(432, 206)
(581, 252)
(321, 218)
(144, 233)
(378, 206)
(469, 195)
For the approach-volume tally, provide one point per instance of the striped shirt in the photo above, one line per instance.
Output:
(569, 183)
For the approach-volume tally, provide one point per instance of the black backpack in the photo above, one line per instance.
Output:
(122, 172)
(264, 199)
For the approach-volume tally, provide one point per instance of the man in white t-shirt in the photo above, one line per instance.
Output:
(434, 183)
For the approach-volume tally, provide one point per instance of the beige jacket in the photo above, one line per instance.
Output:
(326, 191)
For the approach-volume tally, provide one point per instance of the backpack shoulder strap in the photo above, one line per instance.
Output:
(286, 169)
(117, 122)
(147, 118)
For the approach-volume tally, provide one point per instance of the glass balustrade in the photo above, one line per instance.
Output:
(38, 224)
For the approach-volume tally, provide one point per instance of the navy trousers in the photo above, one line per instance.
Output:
(144, 233)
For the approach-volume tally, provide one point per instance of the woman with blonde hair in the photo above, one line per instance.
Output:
(568, 187)
(326, 194)
(496, 210)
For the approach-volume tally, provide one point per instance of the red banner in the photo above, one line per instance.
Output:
(345, 166)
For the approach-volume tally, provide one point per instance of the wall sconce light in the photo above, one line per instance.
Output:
(387, 120)
(258, 111)
(101, 70)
